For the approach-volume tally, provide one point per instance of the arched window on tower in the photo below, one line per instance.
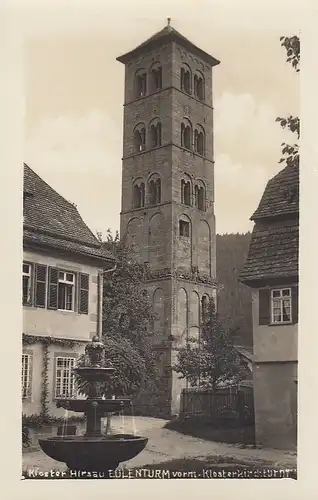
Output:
(199, 86)
(186, 133)
(184, 226)
(138, 194)
(140, 83)
(154, 190)
(199, 196)
(199, 136)
(156, 77)
(155, 133)
(186, 192)
(185, 78)
(140, 138)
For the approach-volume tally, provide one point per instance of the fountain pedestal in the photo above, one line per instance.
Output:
(95, 451)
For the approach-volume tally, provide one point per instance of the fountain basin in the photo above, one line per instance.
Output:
(103, 405)
(93, 454)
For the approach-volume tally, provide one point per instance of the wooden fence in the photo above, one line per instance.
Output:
(229, 403)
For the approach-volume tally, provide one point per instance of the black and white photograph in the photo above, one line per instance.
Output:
(160, 262)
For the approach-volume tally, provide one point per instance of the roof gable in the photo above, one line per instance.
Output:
(45, 212)
(281, 195)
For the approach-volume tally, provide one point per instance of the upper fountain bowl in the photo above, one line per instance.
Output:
(94, 373)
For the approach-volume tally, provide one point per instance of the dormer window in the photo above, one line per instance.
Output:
(141, 84)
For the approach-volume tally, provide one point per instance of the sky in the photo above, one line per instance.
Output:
(74, 90)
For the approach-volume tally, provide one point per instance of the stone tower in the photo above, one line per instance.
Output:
(167, 207)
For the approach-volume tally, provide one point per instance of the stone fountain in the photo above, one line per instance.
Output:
(94, 451)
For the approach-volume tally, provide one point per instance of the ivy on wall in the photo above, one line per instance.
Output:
(46, 341)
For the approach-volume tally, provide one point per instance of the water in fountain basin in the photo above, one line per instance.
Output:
(64, 426)
(134, 430)
(122, 420)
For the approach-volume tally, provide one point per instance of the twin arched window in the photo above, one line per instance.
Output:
(186, 82)
(187, 135)
(141, 80)
(199, 193)
(155, 135)
(153, 192)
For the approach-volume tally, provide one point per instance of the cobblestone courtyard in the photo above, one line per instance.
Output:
(165, 445)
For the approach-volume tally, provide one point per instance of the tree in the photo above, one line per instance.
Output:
(212, 360)
(127, 319)
(290, 152)
(234, 299)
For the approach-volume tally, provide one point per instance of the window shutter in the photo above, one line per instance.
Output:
(264, 307)
(40, 285)
(295, 304)
(83, 293)
(53, 288)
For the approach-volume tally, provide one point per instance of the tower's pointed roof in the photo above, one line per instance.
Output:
(168, 33)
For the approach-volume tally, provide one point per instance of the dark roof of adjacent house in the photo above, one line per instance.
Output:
(167, 34)
(281, 195)
(52, 221)
(273, 252)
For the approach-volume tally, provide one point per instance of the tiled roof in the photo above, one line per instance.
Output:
(167, 34)
(281, 195)
(273, 252)
(52, 221)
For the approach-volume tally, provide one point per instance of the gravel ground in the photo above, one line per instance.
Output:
(165, 445)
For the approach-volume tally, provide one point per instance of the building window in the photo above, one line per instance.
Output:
(184, 228)
(186, 135)
(26, 375)
(66, 291)
(199, 87)
(281, 305)
(199, 198)
(64, 377)
(156, 78)
(155, 134)
(155, 191)
(185, 82)
(140, 139)
(185, 192)
(199, 141)
(139, 195)
(26, 284)
(141, 84)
